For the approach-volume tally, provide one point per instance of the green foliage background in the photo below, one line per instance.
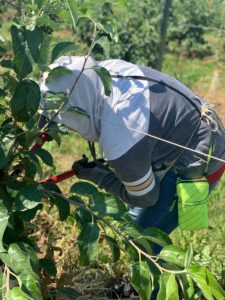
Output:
(33, 216)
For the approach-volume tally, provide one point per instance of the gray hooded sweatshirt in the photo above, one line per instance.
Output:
(143, 101)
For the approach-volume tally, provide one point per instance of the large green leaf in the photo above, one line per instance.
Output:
(187, 286)
(188, 257)
(30, 285)
(156, 236)
(20, 258)
(107, 205)
(206, 282)
(83, 188)
(115, 250)
(49, 266)
(29, 197)
(4, 216)
(168, 287)
(82, 217)
(34, 41)
(25, 101)
(57, 72)
(62, 205)
(45, 156)
(105, 77)
(73, 11)
(17, 294)
(3, 285)
(46, 21)
(88, 242)
(61, 49)
(141, 280)
(54, 100)
(21, 62)
(104, 43)
(44, 51)
(173, 254)
(29, 214)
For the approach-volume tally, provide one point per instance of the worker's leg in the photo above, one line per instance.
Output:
(163, 214)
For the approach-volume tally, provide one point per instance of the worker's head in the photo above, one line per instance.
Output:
(83, 91)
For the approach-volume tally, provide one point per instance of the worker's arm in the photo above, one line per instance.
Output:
(132, 180)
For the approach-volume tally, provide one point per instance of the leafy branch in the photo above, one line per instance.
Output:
(118, 233)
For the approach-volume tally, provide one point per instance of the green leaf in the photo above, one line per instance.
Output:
(53, 100)
(30, 285)
(69, 293)
(21, 62)
(4, 216)
(61, 49)
(131, 252)
(6, 63)
(105, 77)
(131, 228)
(104, 43)
(115, 250)
(39, 3)
(48, 265)
(206, 282)
(30, 169)
(109, 29)
(2, 93)
(34, 41)
(28, 197)
(55, 137)
(107, 205)
(17, 294)
(88, 242)
(141, 280)
(19, 258)
(46, 21)
(44, 51)
(25, 101)
(188, 258)
(65, 15)
(6, 146)
(157, 236)
(173, 254)
(62, 205)
(57, 72)
(29, 214)
(3, 284)
(83, 188)
(82, 217)
(187, 286)
(168, 287)
(45, 156)
(73, 11)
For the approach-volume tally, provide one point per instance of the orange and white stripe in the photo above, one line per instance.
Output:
(141, 186)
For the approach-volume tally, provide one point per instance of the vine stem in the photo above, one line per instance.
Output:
(78, 77)
(7, 272)
(140, 251)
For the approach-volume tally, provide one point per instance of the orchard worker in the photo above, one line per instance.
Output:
(140, 127)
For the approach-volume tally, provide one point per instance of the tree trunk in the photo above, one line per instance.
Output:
(165, 7)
